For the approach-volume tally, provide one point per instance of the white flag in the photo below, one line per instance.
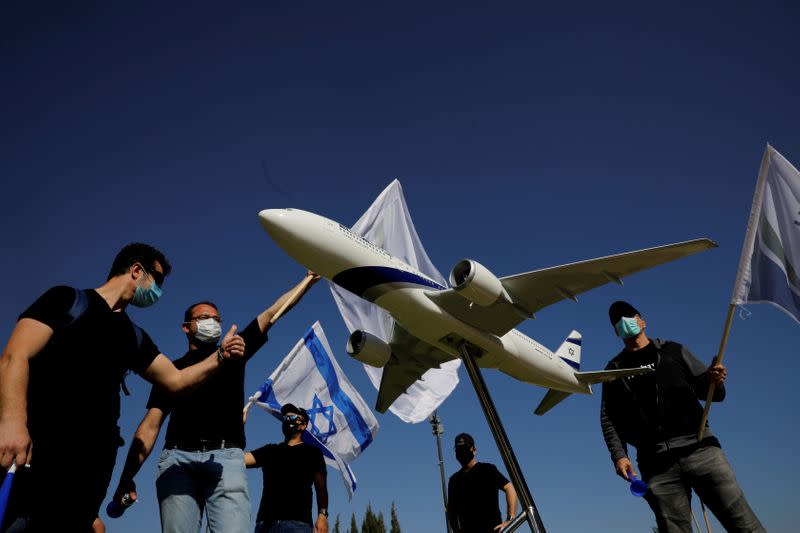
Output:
(340, 423)
(387, 223)
(771, 251)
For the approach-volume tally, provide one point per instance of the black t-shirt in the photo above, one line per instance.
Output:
(473, 497)
(288, 476)
(82, 366)
(213, 410)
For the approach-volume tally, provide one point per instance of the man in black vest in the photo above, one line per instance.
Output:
(659, 414)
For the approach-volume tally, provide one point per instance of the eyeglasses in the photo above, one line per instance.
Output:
(205, 317)
(292, 418)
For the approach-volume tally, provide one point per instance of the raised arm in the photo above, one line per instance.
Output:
(27, 340)
(290, 298)
(162, 372)
(705, 375)
(141, 446)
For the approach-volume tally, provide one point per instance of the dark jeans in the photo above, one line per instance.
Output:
(284, 526)
(63, 489)
(672, 476)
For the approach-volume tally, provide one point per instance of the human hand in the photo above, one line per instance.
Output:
(125, 488)
(717, 374)
(625, 468)
(501, 526)
(314, 277)
(322, 524)
(15, 443)
(232, 345)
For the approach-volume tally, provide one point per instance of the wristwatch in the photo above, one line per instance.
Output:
(324, 512)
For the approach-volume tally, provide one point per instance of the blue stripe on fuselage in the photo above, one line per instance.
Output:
(360, 279)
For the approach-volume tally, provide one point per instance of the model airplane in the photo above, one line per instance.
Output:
(431, 321)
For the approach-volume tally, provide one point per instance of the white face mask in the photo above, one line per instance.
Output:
(208, 330)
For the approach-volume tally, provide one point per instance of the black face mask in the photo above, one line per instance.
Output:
(290, 427)
(464, 456)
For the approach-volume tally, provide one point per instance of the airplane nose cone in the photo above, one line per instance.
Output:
(270, 218)
(274, 221)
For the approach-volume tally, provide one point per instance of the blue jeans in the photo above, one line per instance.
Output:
(671, 478)
(285, 526)
(214, 480)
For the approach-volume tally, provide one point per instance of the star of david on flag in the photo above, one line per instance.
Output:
(317, 409)
(340, 423)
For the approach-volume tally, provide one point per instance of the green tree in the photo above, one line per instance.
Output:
(353, 524)
(381, 525)
(337, 525)
(394, 526)
(368, 524)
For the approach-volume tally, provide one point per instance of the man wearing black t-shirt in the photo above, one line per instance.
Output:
(202, 466)
(659, 414)
(290, 469)
(60, 376)
(472, 493)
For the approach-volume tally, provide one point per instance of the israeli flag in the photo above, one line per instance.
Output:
(340, 423)
(768, 268)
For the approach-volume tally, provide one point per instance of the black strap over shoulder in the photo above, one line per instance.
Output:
(79, 306)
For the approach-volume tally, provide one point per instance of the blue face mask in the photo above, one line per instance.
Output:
(627, 328)
(146, 297)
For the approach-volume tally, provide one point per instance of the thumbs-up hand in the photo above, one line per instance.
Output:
(232, 345)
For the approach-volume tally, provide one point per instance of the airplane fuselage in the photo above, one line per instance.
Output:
(336, 253)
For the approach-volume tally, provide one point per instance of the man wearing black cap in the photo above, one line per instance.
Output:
(659, 414)
(472, 493)
(290, 469)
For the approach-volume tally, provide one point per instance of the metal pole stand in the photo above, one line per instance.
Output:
(529, 512)
(438, 429)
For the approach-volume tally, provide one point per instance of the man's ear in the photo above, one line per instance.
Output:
(136, 270)
(185, 327)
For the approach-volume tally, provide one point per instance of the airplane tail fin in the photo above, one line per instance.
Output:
(550, 400)
(570, 350)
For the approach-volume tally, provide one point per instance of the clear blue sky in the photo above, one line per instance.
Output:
(524, 138)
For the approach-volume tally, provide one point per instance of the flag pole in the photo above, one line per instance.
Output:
(293, 298)
(747, 252)
(717, 361)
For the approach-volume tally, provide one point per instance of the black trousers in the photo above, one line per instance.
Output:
(62, 490)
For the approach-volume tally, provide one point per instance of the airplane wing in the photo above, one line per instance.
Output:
(532, 291)
(410, 359)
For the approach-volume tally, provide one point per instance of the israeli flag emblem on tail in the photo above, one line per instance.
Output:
(340, 422)
(570, 350)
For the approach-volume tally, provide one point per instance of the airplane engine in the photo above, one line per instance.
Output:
(476, 283)
(368, 349)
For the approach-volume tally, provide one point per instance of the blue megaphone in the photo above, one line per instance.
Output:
(114, 509)
(638, 487)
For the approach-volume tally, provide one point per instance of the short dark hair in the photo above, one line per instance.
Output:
(139, 252)
(187, 315)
